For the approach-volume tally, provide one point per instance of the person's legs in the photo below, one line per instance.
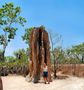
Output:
(48, 80)
(44, 80)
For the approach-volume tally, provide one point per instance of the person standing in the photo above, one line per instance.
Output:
(45, 73)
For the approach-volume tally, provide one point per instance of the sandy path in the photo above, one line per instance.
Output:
(19, 83)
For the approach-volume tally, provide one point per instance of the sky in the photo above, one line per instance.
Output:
(65, 17)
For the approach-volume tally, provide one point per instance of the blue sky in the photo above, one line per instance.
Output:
(65, 17)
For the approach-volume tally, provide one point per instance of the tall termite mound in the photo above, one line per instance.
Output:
(39, 53)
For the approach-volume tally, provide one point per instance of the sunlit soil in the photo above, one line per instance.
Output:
(19, 83)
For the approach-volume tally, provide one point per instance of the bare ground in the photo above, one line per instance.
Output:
(19, 83)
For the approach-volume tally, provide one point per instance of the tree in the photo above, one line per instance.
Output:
(75, 55)
(1, 58)
(56, 40)
(9, 18)
(60, 55)
(26, 36)
(77, 52)
(28, 31)
(21, 55)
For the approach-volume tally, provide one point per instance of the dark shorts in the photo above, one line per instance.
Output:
(45, 74)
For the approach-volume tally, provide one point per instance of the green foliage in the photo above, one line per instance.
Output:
(73, 55)
(9, 18)
(16, 63)
(77, 52)
(26, 36)
(21, 55)
(9, 59)
(78, 49)
(42, 27)
(20, 59)
(2, 40)
(28, 31)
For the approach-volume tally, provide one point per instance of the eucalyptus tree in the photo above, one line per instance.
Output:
(9, 19)
(77, 52)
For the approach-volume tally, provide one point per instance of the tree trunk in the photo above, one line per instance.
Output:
(54, 67)
(3, 56)
(2, 59)
(3, 53)
(82, 59)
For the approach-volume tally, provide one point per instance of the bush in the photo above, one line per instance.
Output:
(15, 67)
